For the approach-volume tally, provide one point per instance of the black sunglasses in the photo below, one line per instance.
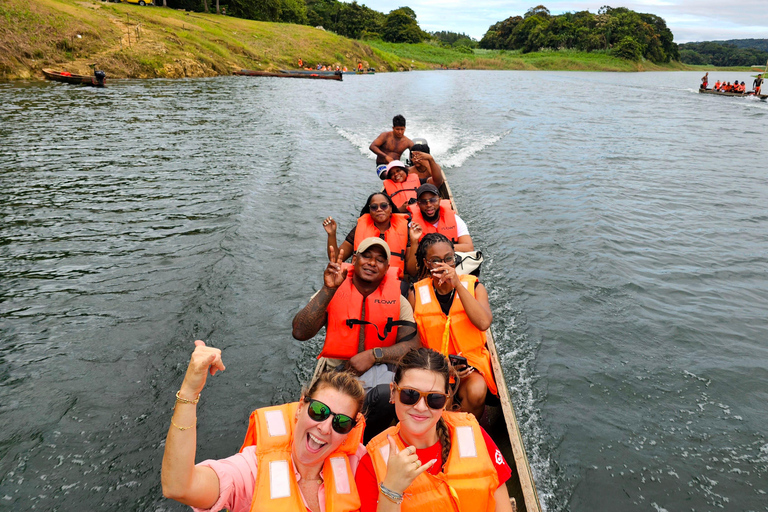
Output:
(319, 412)
(410, 396)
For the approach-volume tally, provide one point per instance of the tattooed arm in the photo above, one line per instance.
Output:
(311, 319)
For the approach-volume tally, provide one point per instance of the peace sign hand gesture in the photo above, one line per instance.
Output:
(403, 467)
(415, 231)
(334, 276)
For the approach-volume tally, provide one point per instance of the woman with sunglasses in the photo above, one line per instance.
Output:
(378, 218)
(433, 459)
(452, 314)
(296, 457)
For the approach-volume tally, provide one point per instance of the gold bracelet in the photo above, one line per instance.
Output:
(183, 428)
(180, 400)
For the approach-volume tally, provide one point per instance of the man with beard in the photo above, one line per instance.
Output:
(389, 146)
(369, 324)
(432, 215)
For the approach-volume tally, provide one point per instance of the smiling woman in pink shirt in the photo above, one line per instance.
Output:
(296, 456)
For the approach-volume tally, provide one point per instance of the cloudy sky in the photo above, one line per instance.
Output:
(689, 20)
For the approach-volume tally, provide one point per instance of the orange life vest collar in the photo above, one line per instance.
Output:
(446, 222)
(457, 336)
(270, 429)
(396, 236)
(382, 316)
(468, 480)
(405, 192)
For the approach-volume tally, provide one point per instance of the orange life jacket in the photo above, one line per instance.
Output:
(405, 192)
(382, 311)
(396, 236)
(468, 480)
(270, 429)
(446, 224)
(459, 336)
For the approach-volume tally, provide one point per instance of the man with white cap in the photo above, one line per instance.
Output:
(369, 324)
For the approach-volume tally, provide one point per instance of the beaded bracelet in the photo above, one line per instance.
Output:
(391, 495)
(183, 428)
(180, 400)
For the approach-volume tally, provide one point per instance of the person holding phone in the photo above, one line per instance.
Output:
(433, 459)
(297, 456)
(452, 314)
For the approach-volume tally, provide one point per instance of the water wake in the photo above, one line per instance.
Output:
(450, 147)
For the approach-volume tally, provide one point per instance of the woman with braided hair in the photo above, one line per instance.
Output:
(452, 314)
(433, 459)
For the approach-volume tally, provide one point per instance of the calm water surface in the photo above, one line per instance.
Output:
(622, 216)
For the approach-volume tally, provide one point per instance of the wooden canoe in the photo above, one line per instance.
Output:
(313, 72)
(501, 424)
(249, 72)
(736, 94)
(69, 78)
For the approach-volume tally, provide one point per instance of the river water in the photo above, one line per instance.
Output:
(622, 217)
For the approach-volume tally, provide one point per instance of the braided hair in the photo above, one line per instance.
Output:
(433, 361)
(428, 241)
(366, 209)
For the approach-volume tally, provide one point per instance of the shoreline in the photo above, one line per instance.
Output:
(130, 41)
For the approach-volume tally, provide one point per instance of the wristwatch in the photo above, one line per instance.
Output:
(378, 354)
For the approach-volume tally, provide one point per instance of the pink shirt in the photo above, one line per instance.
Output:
(237, 480)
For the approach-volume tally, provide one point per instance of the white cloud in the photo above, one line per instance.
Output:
(689, 20)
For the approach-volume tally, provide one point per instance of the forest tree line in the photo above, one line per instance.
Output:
(624, 33)
(725, 53)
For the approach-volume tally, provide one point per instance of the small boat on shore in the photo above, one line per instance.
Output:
(307, 74)
(98, 79)
(499, 421)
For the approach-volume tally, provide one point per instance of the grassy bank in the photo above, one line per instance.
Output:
(146, 42)
(429, 56)
(143, 42)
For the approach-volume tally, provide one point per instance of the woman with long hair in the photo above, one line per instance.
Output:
(433, 459)
(452, 314)
(296, 457)
(378, 218)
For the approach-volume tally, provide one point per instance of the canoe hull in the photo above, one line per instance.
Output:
(736, 94)
(249, 72)
(68, 78)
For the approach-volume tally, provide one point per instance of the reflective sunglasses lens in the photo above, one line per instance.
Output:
(318, 411)
(409, 396)
(343, 424)
(436, 400)
(377, 207)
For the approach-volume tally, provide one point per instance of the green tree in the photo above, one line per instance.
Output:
(628, 48)
(400, 26)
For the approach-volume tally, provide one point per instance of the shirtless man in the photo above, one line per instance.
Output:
(390, 145)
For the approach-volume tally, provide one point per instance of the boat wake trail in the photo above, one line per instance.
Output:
(450, 147)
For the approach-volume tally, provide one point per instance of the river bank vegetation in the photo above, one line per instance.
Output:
(130, 41)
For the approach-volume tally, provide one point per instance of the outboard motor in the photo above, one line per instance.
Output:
(100, 76)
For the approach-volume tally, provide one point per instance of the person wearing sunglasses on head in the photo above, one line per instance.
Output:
(452, 314)
(377, 219)
(296, 457)
(369, 324)
(433, 459)
(432, 215)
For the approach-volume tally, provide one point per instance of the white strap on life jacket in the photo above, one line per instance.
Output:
(340, 475)
(384, 451)
(275, 423)
(466, 439)
(279, 479)
(424, 294)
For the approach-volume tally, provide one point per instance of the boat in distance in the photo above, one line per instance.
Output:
(250, 72)
(498, 420)
(313, 72)
(736, 94)
(98, 79)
